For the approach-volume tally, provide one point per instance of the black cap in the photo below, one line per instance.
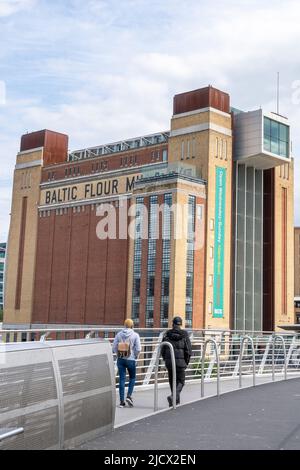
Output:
(177, 321)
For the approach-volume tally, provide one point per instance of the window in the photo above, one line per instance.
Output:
(276, 137)
(182, 150)
(137, 268)
(188, 149)
(194, 148)
(211, 252)
(217, 148)
(190, 262)
(166, 253)
(210, 280)
(165, 155)
(211, 224)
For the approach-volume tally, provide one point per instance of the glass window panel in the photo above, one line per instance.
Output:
(283, 132)
(283, 149)
(275, 130)
(275, 146)
(267, 127)
(267, 144)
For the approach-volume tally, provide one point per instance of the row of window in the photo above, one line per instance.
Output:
(137, 266)
(188, 149)
(75, 209)
(51, 175)
(166, 256)
(128, 161)
(72, 171)
(276, 137)
(103, 165)
(284, 171)
(190, 262)
(100, 166)
(26, 180)
(151, 265)
(221, 149)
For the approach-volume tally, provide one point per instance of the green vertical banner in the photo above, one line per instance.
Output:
(218, 306)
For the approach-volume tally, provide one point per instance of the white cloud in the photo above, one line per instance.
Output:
(105, 70)
(9, 7)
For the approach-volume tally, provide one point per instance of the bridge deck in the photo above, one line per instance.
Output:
(265, 417)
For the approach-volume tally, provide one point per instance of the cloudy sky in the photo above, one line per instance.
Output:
(102, 70)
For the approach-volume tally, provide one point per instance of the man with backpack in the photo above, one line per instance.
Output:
(127, 346)
(182, 350)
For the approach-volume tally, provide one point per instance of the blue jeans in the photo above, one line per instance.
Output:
(123, 365)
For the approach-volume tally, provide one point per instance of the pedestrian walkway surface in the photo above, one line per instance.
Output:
(264, 417)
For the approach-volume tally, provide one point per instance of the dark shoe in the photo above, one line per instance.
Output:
(178, 391)
(170, 401)
(129, 401)
(122, 404)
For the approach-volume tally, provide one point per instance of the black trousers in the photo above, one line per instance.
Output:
(180, 379)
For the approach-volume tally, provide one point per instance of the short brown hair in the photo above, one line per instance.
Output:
(128, 323)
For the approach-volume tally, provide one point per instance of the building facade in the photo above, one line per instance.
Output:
(297, 274)
(2, 273)
(196, 221)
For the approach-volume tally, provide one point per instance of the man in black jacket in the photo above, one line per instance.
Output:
(183, 350)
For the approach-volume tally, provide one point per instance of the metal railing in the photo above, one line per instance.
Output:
(7, 433)
(212, 341)
(229, 345)
(243, 340)
(281, 338)
(169, 345)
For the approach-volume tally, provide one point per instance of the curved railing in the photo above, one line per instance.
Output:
(243, 341)
(161, 345)
(269, 358)
(214, 343)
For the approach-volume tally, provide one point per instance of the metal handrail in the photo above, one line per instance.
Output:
(88, 328)
(169, 345)
(243, 340)
(218, 365)
(10, 433)
(44, 337)
(281, 338)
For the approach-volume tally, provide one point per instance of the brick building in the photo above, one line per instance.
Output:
(223, 175)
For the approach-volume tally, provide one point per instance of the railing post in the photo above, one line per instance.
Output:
(44, 337)
(169, 345)
(243, 340)
(281, 338)
(152, 363)
(218, 366)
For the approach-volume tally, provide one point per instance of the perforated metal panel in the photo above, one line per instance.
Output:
(86, 415)
(28, 397)
(41, 431)
(84, 374)
(88, 388)
(60, 392)
(26, 385)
